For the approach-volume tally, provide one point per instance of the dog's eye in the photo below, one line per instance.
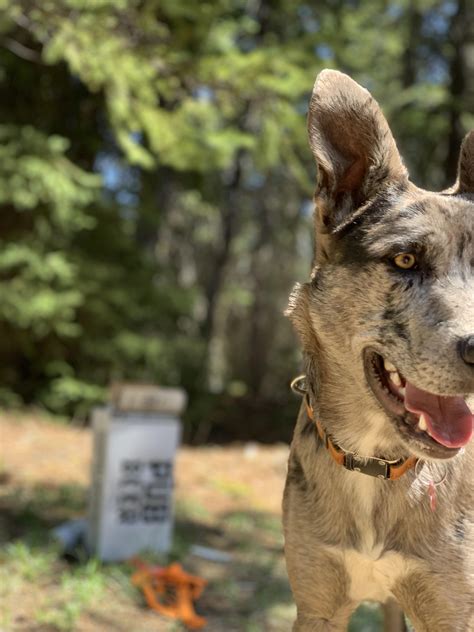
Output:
(405, 260)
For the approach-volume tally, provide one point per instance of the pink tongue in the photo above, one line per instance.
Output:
(449, 419)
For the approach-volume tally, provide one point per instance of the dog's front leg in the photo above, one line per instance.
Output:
(307, 622)
(438, 601)
(320, 586)
(394, 619)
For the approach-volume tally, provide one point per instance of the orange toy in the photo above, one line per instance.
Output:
(170, 591)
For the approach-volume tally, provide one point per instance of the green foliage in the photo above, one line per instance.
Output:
(155, 178)
(36, 173)
(28, 563)
(44, 196)
(79, 589)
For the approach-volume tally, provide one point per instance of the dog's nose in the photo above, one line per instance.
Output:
(466, 349)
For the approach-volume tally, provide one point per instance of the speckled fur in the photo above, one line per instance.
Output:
(347, 536)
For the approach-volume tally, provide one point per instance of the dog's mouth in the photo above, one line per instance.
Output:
(437, 426)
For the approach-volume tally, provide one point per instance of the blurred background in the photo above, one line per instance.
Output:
(155, 198)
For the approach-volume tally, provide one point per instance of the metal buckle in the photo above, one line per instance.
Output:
(298, 385)
(379, 468)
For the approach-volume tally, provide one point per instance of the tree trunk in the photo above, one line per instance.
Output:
(461, 86)
(410, 58)
(259, 335)
(229, 210)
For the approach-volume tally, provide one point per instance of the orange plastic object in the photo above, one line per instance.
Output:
(170, 591)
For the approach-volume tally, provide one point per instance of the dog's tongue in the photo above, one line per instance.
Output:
(449, 419)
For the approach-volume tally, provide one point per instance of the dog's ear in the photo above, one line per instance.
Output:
(354, 149)
(465, 180)
(299, 312)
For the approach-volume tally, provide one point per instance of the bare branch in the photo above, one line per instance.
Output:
(21, 51)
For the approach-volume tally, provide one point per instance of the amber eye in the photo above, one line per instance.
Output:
(405, 260)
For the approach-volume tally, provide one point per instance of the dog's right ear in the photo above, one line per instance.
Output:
(354, 149)
(465, 181)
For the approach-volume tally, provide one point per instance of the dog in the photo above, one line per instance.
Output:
(379, 496)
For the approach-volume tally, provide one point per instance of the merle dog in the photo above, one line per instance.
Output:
(379, 498)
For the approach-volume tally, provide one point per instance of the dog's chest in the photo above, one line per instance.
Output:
(372, 573)
(373, 579)
(362, 491)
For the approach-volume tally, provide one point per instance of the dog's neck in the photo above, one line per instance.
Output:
(349, 413)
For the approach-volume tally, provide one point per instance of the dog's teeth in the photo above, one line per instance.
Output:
(422, 425)
(402, 391)
(395, 378)
(389, 366)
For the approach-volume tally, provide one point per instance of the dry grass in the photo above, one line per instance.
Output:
(226, 498)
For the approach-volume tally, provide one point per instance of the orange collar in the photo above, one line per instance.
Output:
(372, 466)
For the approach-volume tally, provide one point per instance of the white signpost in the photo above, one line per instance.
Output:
(135, 442)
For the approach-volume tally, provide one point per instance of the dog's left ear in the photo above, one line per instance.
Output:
(353, 147)
(465, 179)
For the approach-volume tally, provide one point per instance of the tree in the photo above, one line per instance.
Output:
(155, 180)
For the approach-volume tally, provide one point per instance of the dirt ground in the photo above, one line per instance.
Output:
(226, 498)
(34, 451)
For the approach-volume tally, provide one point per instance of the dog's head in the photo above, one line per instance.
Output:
(388, 315)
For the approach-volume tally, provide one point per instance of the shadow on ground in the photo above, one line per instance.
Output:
(250, 593)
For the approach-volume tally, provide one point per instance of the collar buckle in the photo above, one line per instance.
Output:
(372, 466)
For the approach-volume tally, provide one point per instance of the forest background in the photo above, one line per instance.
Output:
(156, 185)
